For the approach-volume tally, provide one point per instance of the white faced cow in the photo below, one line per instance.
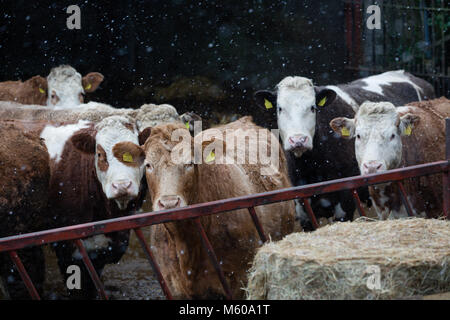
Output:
(66, 87)
(384, 140)
(96, 173)
(314, 153)
(63, 88)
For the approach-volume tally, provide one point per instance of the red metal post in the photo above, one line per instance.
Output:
(349, 31)
(446, 175)
(91, 270)
(153, 263)
(212, 255)
(310, 212)
(24, 275)
(405, 200)
(358, 203)
(258, 224)
(358, 23)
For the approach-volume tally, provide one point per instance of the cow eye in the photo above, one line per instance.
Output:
(149, 167)
(313, 109)
(393, 136)
(358, 136)
(280, 109)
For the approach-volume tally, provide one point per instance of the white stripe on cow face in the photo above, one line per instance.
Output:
(296, 100)
(374, 83)
(56, 137)
(119, 181)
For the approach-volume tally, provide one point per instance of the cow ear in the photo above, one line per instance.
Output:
(325, 97)
(143, 135)
(266, 100)
(91, 81)
(407, 123)
(189, 119)
(39, 84)
(84, 140)
(213, 152)
(344, 127)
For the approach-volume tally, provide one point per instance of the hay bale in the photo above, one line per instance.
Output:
(413, 256)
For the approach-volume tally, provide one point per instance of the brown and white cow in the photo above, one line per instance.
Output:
(96, 174)
(173, 183)
(63, 88)
(387, 138)
(24, 183)
(304, 110)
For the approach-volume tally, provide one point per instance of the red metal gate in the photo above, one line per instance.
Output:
(136, 222)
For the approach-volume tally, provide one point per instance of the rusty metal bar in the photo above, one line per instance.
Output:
(446, 176)
(358, 203)
(405, 200)
(212, 255)
(91, 269)
(310, 212)
(257, 224)
(153, 263)
(214, 207)
(24, 275)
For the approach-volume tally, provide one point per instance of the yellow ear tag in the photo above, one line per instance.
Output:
(408, 130)
(88, 87)
(345, 132)
(127, 157)
(322, 102)
(211, 156)
(187, 125)
(268, 104)
(41, 90)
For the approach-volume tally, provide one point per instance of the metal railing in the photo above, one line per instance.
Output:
(136, 222)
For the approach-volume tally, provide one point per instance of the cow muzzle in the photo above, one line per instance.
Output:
(122, 191)
(169, 202)
(299, 143)
(373, 166)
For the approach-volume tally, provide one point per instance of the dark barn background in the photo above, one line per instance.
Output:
(207, 56)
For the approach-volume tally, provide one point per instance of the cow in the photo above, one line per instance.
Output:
(314, 152)
(172, 183)
(64, 87)
(96, 173)
(24, 184)
(387, 138)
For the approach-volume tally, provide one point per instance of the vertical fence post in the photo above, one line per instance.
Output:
(446, 175)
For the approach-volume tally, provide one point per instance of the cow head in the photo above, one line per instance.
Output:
(170, 178)
(377, 129)
(118, 157)
(66, 87)
(297, 102)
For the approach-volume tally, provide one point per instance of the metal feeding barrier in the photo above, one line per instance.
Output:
(136, 222)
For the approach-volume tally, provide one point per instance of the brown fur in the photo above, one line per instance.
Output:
(24, 176)
(137, 153)
(179, 251)
(102, 161)
(26, 92)
(426, 144)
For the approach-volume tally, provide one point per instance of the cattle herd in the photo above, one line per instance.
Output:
(66, 162)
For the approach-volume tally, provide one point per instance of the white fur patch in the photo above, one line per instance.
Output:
(374, 83)
(93, 243)
(339, 213)
(344, 96)
(56, 137)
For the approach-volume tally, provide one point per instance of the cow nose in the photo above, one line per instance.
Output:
(371, 167)
(298, 141)
(121, 187)
(169, 202)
